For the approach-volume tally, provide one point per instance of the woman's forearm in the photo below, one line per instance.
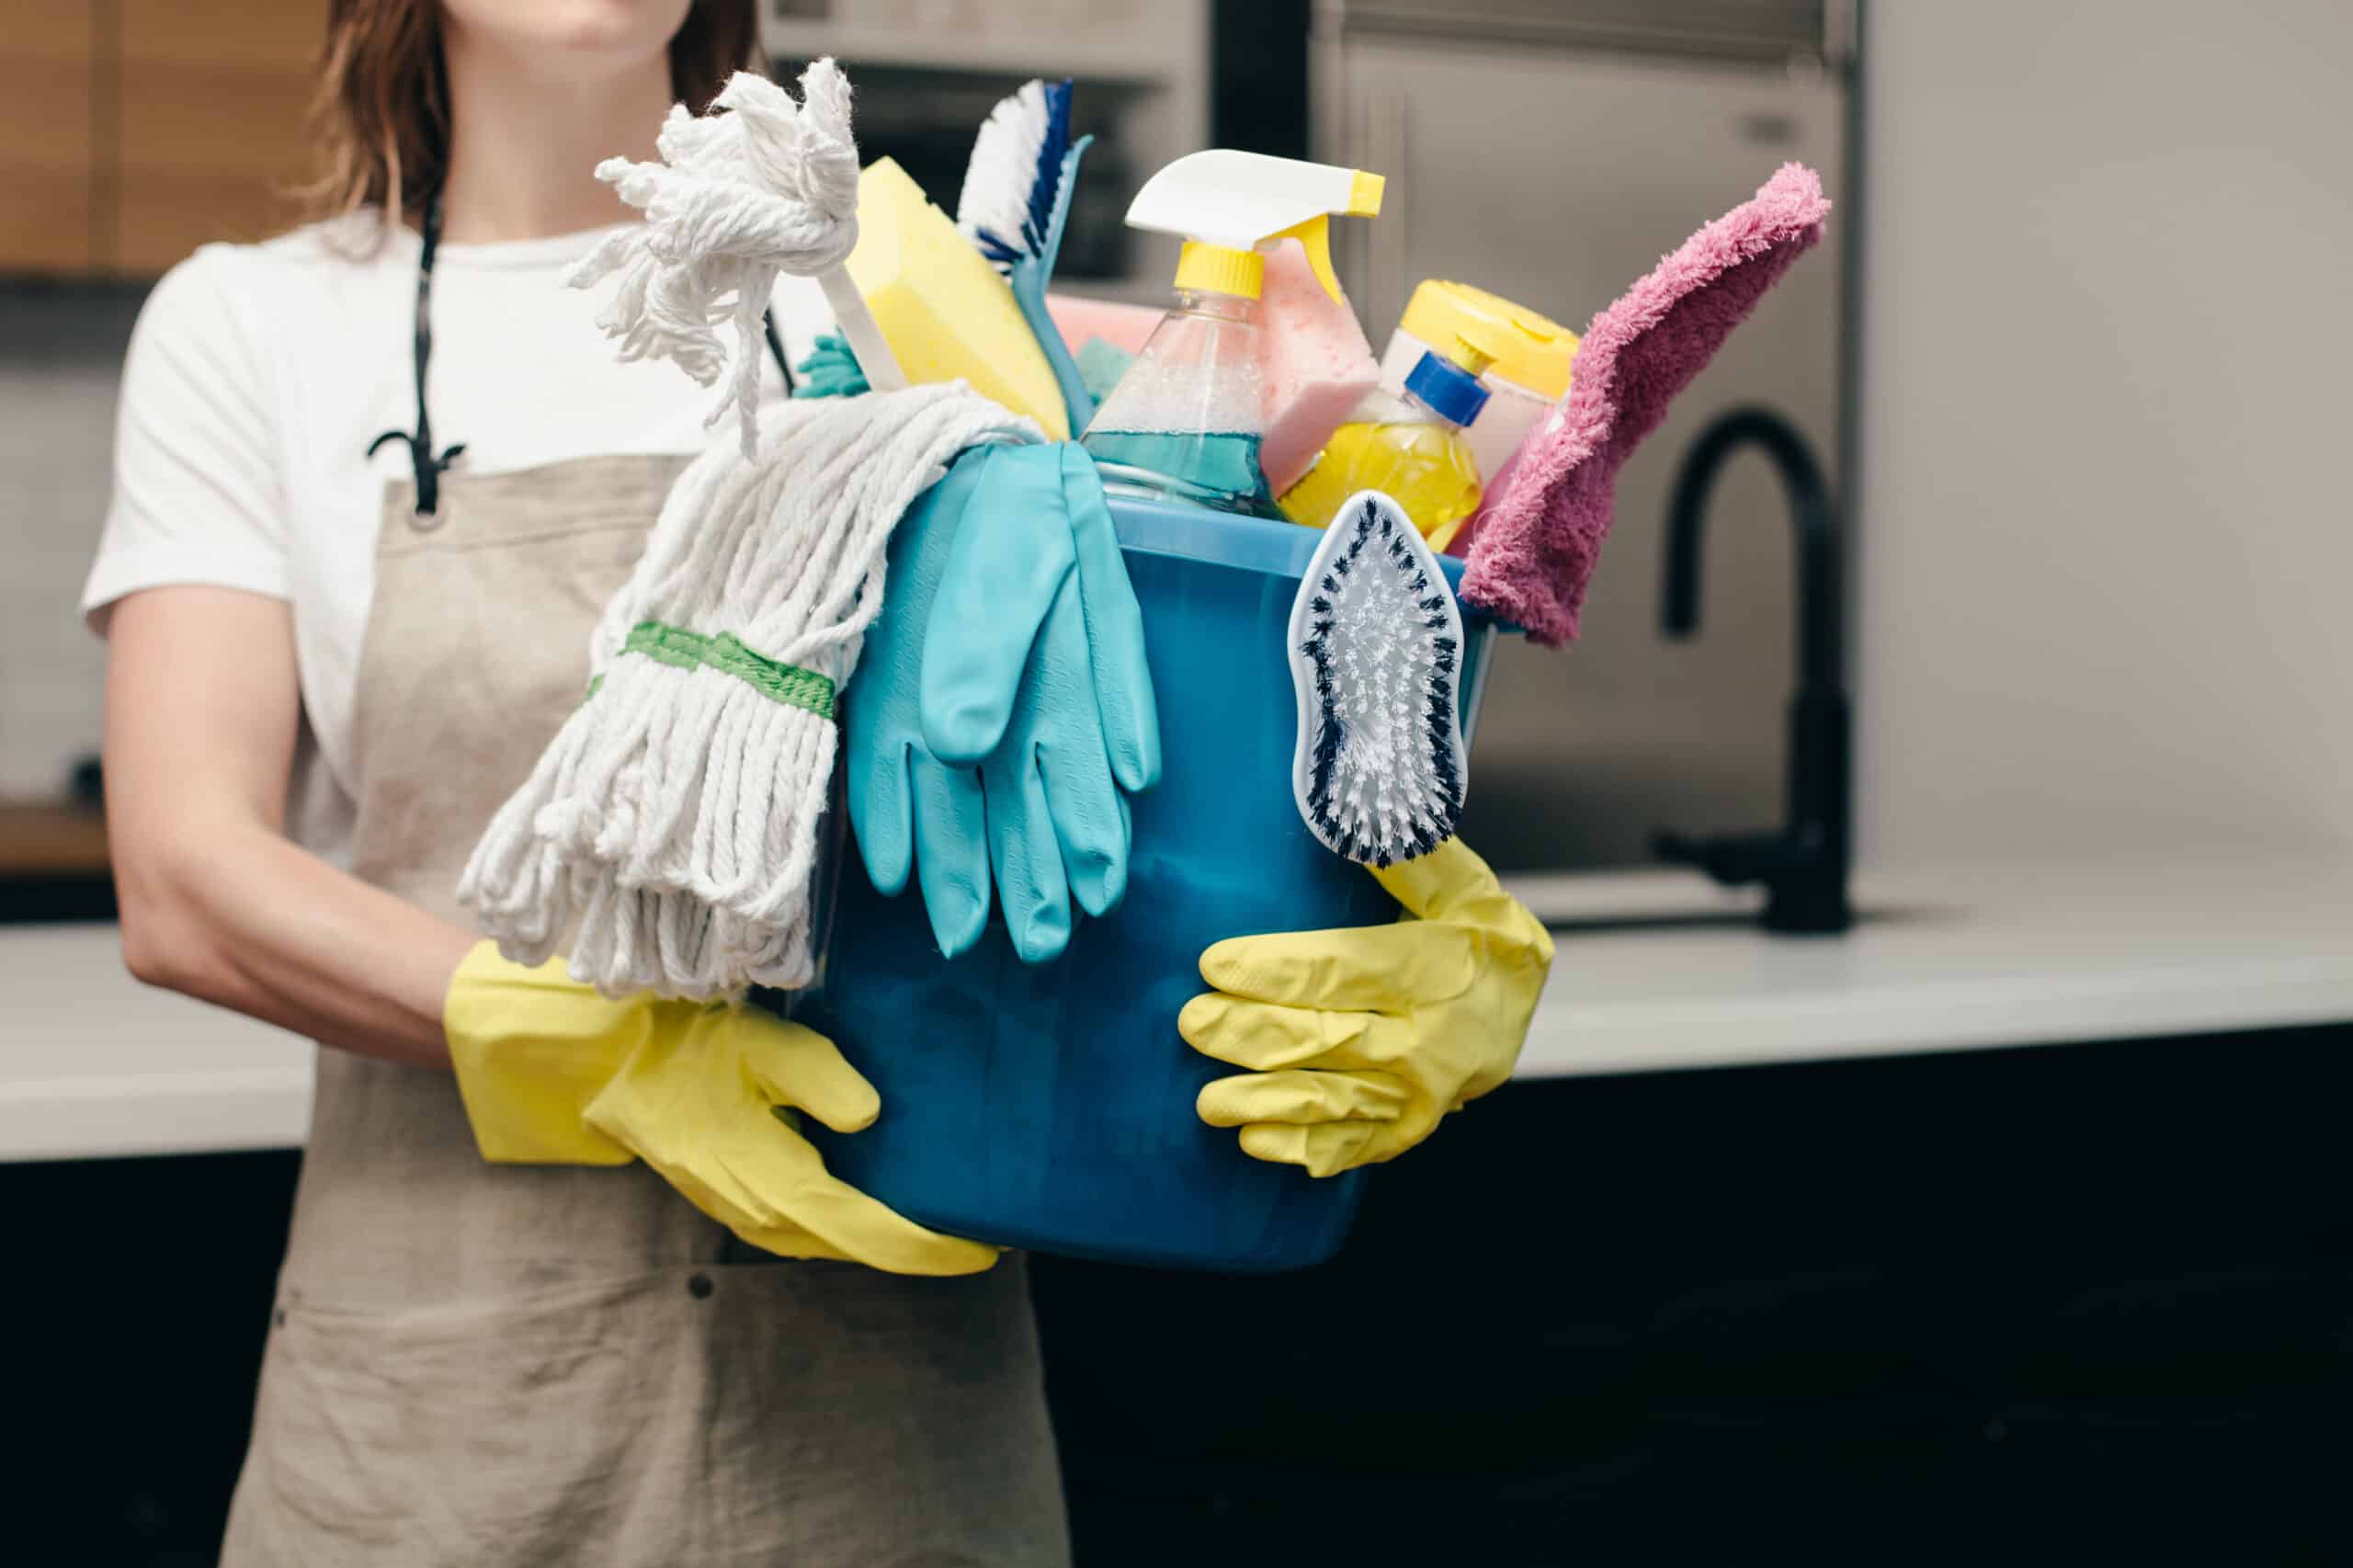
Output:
(202, 712)
(240, 917)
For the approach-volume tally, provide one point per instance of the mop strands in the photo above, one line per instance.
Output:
(1376, 645)
(770, 186)
(674, 815)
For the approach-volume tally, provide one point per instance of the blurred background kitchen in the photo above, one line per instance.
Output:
(2072, 359)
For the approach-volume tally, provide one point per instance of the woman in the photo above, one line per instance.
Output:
(334, 653)
(330, 660)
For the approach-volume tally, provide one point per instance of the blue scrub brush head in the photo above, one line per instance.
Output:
(1376, 659)
(1014, 205)
(1007, 205)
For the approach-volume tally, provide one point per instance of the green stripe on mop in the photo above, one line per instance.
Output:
(677, 646)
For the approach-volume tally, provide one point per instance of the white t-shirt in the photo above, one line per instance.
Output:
(256, 378)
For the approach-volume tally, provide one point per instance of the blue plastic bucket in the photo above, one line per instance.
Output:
(1052, 1108)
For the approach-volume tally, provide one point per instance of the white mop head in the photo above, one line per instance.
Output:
(1376, 660)
(769, 186)
(675, 817)
(675, 814)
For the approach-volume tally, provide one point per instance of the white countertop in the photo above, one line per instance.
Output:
(1942, 959)
(91, 1063)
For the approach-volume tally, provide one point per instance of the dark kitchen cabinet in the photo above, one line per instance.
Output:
(2083, 1303)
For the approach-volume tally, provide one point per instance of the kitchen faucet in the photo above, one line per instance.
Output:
(1802, 865)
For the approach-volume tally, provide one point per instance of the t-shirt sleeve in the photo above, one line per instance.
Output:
(197, 498)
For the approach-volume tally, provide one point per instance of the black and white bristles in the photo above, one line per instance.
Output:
(1376, 658)
(1016, 172)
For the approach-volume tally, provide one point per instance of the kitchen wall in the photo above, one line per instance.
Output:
(61, 356)
(2106, 537)
(2102, 530)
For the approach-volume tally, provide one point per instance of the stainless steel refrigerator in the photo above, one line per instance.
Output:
(1553, 153)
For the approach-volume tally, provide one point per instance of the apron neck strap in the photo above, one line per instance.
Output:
(430, 464)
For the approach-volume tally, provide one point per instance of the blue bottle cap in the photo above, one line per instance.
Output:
(1453, 392)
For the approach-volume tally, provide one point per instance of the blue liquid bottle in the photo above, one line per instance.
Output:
(1185, 421)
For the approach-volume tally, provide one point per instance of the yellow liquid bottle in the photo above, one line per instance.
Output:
(1411, 449)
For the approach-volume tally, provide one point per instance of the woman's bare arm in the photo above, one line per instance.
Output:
(203, 710)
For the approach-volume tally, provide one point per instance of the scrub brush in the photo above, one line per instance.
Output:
(1014, 206)
(1376, 645)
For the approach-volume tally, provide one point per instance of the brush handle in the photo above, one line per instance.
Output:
(865, 335)
(1029, 282)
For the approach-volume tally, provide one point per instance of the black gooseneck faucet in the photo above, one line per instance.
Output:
(1803, 865)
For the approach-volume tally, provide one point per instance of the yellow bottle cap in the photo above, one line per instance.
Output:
(1463, 322)
(1469, 351)
(1203, 268)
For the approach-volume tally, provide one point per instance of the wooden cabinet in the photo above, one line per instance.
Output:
(49, 135)
(133, 131)
(210, 114)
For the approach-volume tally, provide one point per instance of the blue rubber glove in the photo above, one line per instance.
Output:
(832, 369)
(1034, 667)
(908, 807)
(1031, 668)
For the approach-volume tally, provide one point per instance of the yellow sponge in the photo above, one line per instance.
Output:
(944, 309)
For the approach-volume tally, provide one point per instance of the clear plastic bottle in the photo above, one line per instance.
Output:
(1412, 449)
(1186, 418)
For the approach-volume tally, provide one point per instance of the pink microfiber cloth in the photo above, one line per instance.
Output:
(1534, 553)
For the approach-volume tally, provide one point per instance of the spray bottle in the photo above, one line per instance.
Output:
(1186, 418)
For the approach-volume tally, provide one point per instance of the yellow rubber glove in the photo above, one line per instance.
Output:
(706, 1093)
(1359, 1040)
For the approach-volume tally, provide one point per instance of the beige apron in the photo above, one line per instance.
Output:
(491, 1365)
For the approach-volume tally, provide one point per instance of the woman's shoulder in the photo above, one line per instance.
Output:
(323, 253)
(317, 261)
(284, 289)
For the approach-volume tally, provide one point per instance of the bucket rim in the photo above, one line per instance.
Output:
(1188, 533)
